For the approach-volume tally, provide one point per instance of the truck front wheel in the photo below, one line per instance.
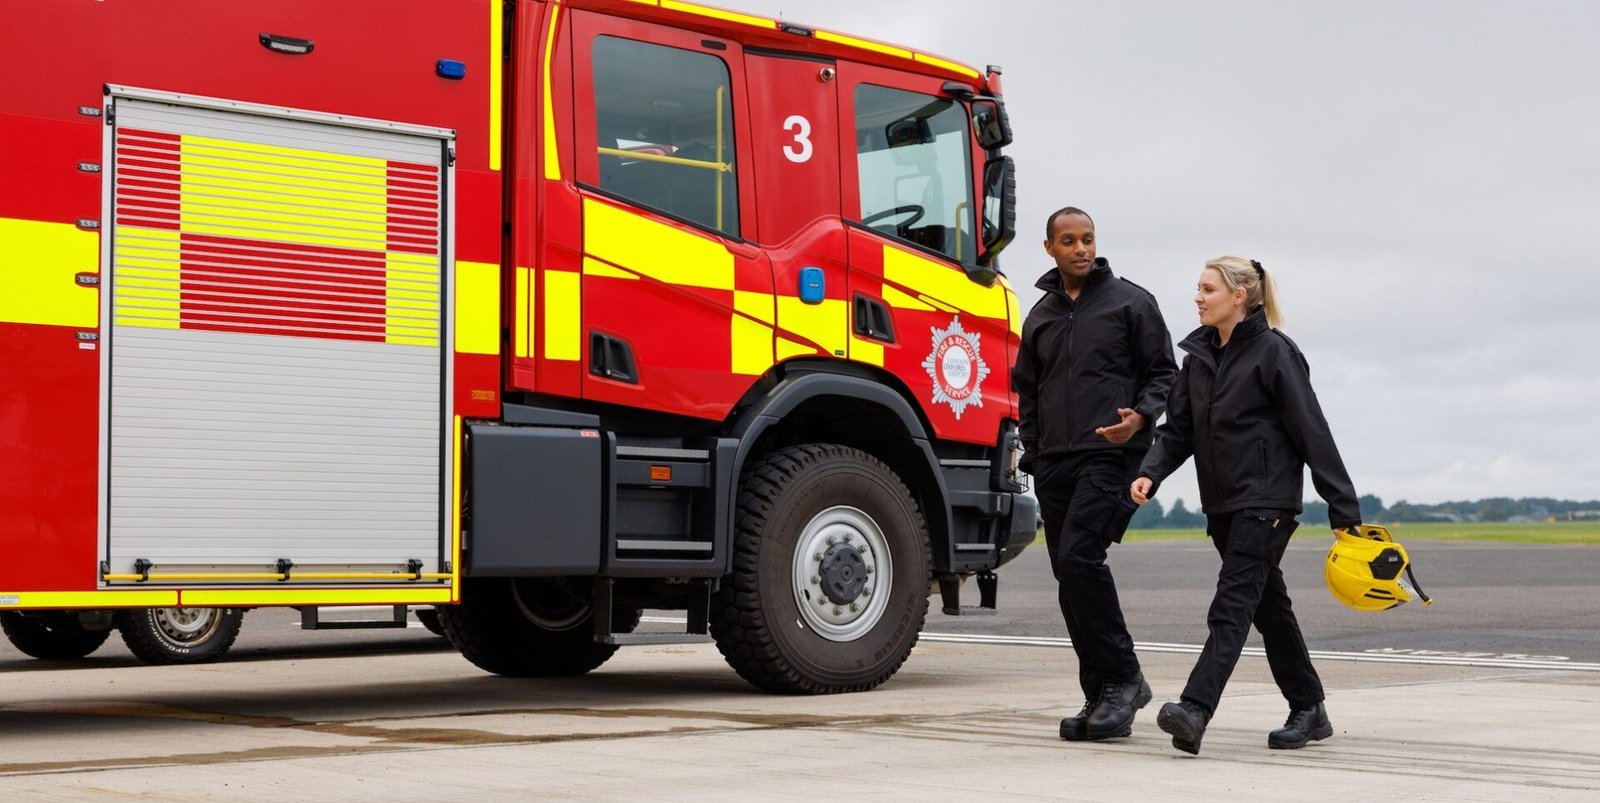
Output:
(51, 635)
(830, 573)
(163, 636)
(528, 628)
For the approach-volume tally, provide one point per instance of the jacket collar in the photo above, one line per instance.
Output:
(1201, 341)
(1051, 282)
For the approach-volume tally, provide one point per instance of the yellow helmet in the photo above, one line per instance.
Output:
(1365, 567)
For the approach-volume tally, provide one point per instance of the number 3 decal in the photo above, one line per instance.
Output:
(800, 150)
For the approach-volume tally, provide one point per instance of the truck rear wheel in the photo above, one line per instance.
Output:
(52, 635)
(830, 573)
(528, 628)
(429, 617)
(179, 635)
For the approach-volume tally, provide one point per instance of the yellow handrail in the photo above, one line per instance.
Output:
(671, 160)
(721, 90)
(961, 209)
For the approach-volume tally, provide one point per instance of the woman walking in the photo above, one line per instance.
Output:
(1244, 408)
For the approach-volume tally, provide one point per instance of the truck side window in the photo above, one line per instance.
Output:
(664, 119)
(914, 161)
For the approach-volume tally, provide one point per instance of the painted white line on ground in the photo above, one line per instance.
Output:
(1378, 657)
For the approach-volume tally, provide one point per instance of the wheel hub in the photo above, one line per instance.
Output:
(843, 574)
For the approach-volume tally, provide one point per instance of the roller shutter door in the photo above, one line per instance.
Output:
(277, 382)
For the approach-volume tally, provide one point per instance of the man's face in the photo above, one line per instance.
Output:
(1071, 245)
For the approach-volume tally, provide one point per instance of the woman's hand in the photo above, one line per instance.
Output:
(1140, 490)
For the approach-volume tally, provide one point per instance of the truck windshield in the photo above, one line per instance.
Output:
(914, 163)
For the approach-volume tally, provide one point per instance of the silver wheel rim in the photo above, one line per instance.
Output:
(187, 626)
(829, 531)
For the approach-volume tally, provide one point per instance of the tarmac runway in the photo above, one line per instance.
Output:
(1489, 696)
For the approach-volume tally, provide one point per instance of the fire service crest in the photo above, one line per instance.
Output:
(956, 368)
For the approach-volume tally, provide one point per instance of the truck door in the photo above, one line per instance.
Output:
(662, 142)
(909, 189)
(794, 115)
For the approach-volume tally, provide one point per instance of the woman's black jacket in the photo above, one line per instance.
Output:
(1082, 359)
(1250, 418)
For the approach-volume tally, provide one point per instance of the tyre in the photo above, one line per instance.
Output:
(51, 635)
(528, 628)
(429, 617)
(179, 635)
(830, 573)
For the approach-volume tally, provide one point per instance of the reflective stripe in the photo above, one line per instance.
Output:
(520, 336)
(717, 13)
(851, 41)
(563, 303)
(827, 324)
(552, 158)
(88, 599)
(941, 283)
(594, 267)
(1013, 309)
(948, 65)
(867, 351)
(224, 598)
(752, 346)
(38, 266)
(787, 348)
(899, 300)
(657, 250)
(477, 308)
(496, 47)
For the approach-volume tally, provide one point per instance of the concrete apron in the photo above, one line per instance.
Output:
(959, 722)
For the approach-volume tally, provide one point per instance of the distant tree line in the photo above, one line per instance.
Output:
(1179, 516)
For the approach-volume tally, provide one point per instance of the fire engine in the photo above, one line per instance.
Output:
(542, 313)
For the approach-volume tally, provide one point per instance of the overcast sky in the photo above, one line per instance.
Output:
(1424, 178)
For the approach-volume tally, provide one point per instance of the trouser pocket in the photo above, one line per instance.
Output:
(1261, 533)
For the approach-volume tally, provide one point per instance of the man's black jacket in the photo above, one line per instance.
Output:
(1081, 360)
(1250, 418)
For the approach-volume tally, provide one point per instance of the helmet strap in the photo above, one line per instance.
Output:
(1412, 578)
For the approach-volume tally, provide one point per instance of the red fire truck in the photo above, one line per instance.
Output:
(543, 313)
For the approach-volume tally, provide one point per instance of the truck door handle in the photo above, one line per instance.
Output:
(872, 319)
(612, 358)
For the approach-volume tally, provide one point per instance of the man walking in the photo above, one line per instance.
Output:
(1092, 378)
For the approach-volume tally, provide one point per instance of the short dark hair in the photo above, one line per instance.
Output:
(1050, 223)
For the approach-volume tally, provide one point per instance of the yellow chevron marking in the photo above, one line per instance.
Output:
(943, 285)
(662, 252)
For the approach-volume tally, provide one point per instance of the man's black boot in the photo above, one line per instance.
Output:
(1303, 727)
(1076, 727)
(1186, 722)
(1113, 715)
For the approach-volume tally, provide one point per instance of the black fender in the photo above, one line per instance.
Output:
(796, 389)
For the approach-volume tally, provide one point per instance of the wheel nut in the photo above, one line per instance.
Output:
(849, 536)
(815, 579)
(837, 611)
(854, 607)
(869, 569)
(818, 556)
(833, 539)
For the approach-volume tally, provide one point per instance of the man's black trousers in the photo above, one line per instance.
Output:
(1084, 499)
(1250, 590)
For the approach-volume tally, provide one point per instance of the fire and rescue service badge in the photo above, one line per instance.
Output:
(956, 368)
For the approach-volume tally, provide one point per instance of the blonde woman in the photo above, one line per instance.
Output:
(1244, 408)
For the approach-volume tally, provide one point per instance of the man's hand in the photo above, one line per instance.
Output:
(1120, 432)
(1140, 490)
